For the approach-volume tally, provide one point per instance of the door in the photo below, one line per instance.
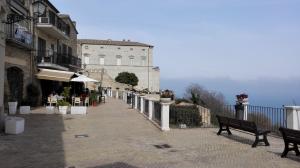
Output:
(42, 50)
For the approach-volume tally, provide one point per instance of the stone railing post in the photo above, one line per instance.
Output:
(165, 113)
(125, 96)
(117, 94)
(142, 104)
(245, 117)
(150, 107)
(293, 117)
(136, 96)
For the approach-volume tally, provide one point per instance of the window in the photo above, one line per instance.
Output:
(119, 60)
(143, 61)
(87, 60)
(119, 48)
(102, 60)
(86, 47)
(101, 47)
(131, 60)
(143, 50)
(131, 49)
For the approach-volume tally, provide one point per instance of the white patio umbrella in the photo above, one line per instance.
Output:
(83, 78)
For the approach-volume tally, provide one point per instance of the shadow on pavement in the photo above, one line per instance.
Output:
(115, 165)
(41, 145)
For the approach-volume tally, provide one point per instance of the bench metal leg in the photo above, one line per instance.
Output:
(266, 140)
(286, 150)
(296, 149)
(224, 129)
(256, 141)
(220, 130)
(228, 131)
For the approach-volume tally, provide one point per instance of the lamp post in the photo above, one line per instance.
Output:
(39, 9)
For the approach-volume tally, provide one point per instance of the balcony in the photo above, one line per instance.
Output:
(54, 60)
(54, 27)
(18, 36)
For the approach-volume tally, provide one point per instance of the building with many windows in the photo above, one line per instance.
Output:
(108, 57)
(39, 49)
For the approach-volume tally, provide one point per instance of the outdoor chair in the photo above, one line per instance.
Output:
(77, 101)
(87, 101)
(49, 101)
(53, 100)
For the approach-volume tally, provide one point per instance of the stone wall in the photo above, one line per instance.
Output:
(15, 57)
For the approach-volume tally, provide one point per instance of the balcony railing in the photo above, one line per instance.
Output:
(51, 57)
(55, 21)
(19, 35)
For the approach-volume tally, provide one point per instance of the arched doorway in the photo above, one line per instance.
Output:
(15, 82)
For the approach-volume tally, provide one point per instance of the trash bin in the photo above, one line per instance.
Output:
(14, 125)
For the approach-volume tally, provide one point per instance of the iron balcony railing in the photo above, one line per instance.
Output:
(54, 20)
(53, 57)
(19, 34)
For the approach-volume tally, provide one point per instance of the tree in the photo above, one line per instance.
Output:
(127, 78)
(212, 100)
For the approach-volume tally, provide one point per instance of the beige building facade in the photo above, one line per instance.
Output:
(35, 43)
(108, 57)
(3, 13)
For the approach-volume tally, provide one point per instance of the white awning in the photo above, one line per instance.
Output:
(55, 75)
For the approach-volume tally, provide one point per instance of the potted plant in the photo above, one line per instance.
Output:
(25, 107)
(12, 106)
(93, 98)
(166, 96)
(63, 106)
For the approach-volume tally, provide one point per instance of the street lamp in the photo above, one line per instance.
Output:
(39, 8)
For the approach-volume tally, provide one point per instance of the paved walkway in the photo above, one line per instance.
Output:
(120, 137)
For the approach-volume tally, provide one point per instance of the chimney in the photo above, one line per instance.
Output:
(128, 40)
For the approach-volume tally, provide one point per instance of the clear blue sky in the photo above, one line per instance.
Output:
(236, 39)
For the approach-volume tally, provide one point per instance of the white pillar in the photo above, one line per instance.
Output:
(136, 101)
(293, 117)
(245, 117)
(165, 112)
(151, 104)
(142, 103)
(117, 94)
(125, 96)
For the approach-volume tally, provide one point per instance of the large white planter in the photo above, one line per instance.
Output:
(63, 110)
(24, 109)
(81, 110)
(50, 110)
(14, 125)
(12, 107)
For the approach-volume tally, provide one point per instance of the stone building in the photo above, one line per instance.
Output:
(56, 46)
(105, 59)
(3, 13)
(37, 47)
(18, 51)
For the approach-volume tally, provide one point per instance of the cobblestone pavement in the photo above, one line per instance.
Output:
(113, 136)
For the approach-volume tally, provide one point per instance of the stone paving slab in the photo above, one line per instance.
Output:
(114, 136)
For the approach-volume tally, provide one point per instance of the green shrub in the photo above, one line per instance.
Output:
(63, 103)
(188, 115)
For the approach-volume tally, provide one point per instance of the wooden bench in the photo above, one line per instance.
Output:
(225, 123)
(290, 137)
